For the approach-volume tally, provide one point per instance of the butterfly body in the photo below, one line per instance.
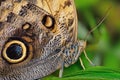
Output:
(43, 34)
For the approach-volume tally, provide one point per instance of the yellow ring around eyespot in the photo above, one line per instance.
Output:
(24, 50)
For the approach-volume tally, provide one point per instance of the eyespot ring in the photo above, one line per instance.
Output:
(24, 51)
(48, 21)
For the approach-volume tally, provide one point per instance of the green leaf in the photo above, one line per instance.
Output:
(95, 73)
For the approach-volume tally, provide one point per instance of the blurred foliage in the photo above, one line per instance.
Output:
(103, 44)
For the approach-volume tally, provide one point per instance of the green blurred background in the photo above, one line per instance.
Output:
(103, 44)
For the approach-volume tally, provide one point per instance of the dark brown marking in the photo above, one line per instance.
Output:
(67, 3)
(70, 22)
(1, 26)
(11, 17)
(1, 1)
(35, 9)
(23, 11)
(17, 0)
(32, 1)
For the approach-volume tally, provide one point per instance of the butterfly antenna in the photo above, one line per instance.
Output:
(94, 28)
(99, 23)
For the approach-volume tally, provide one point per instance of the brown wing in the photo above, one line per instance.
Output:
(44, 27)
(64, 12)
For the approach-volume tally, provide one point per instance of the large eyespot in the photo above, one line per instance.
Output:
(14, 51)
(48, 21)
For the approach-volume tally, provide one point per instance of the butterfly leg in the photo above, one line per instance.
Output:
(61, 70)
(88, 59)
(81, 62)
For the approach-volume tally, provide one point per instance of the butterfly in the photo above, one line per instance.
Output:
(37, 37)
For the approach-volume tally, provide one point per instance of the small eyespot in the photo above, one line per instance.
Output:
(26, 26)
(48, 21)
(14, 51)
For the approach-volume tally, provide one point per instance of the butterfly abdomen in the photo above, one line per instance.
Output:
(72, 52)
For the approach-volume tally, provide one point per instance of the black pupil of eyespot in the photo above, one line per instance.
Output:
(14, 51)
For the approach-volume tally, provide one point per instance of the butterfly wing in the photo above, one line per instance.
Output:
(44, 43)
(65, 14)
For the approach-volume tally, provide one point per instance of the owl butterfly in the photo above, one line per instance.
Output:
(37, 37)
